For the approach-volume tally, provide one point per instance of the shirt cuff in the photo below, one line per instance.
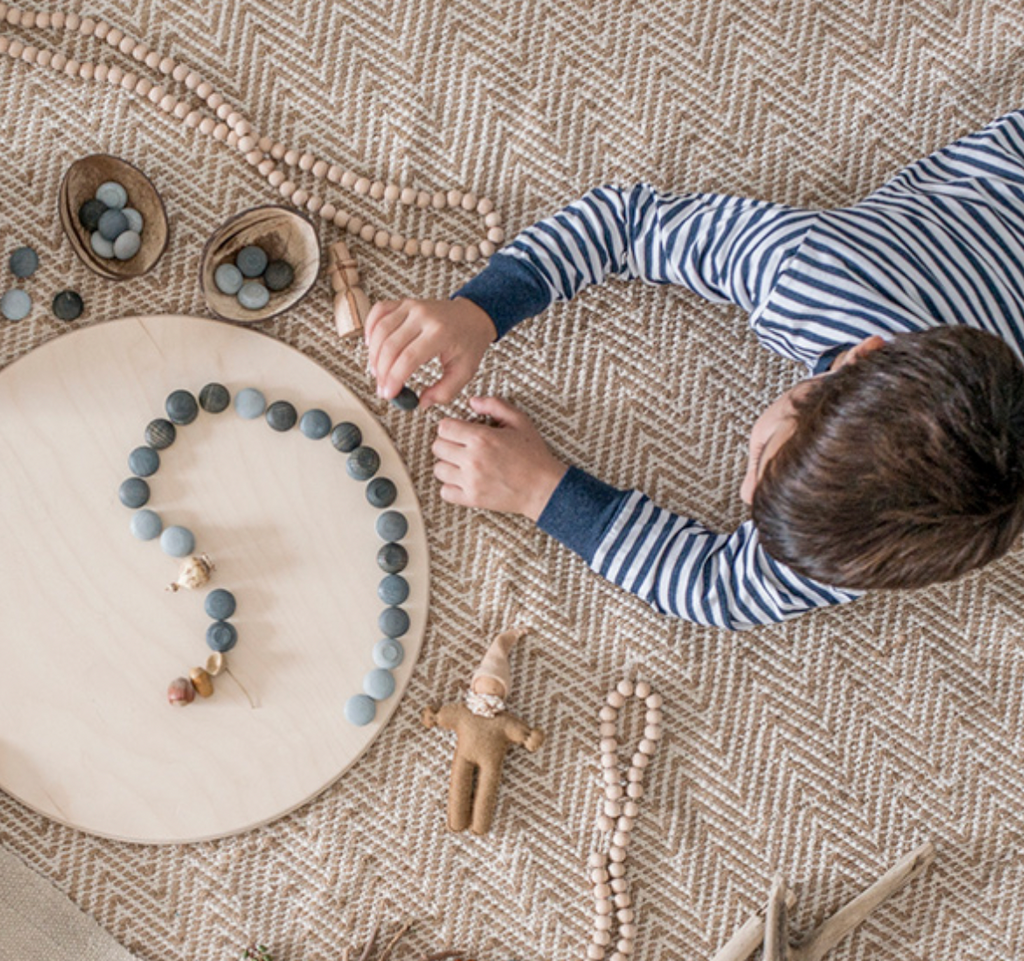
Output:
(508, 290)
(580, 510)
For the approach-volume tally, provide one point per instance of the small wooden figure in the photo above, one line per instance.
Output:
(484, 730)
(351, 305)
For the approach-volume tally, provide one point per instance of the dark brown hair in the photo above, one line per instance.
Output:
(906, 467)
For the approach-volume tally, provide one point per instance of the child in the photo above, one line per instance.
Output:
(899, 463)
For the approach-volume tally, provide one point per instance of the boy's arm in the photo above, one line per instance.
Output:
(723, 248)
(674, 563)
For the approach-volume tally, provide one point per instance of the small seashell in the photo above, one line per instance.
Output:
(195, 572)
(180, 692)
(215, 664)
(201, 681)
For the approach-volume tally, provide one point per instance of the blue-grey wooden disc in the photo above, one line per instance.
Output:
(406, 399)
(251, 261)
(135, 221)
(346, 437)
(253, 295)
(143, 462)
(127, 245)
(23, 262)
(146, 525)
(278, 275)
(228, 279)
(90, 212)
(177, 541)
(392, 526)
(15, 305)
(392, 558)
(393, 589)
(219, 604)
(221, 636)
(315, 424)
(362, 463)
(393, 622)
(250, 403)
(100, 245)
(160, 433)
(112, 194)
(214, 398)
(181, 407)
(388, 653)
(133, 492)
(67, 305)
(113, 223)
(281, 415)
(379, 683)
(381, 492)
(360, 710)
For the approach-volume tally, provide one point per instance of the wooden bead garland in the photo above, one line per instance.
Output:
(213, 115)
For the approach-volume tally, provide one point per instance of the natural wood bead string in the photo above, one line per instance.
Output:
(228, 124)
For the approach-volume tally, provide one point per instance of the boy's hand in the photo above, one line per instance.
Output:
(402, 335)
(507, 467)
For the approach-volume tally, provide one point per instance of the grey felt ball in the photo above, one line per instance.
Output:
(146, 525)
(67, 305)
(278, 275)
(251, 261)
(228, 279)
(406, 399)
(362, 463)
(392, 526)
(281, 415)
(388, 653)
(23, 262)
(143, 462)
(360, 710)
(214, 398)
(253, 295)
(101, 246)
(113, 223)
(181, 407)
(379, 684)
(393, 589)
(127, 245)
(112, 194)
(392, 558)
(346, 437)
(393, 622)
(133, 492)
(381, 492)
(160, 433)
(177, 541)
(135, 221)
(315, 424)
(250, 403)
(15, 305)
(221, 636)
(219, 604)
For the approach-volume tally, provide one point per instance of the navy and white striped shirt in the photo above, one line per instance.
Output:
(940, 243)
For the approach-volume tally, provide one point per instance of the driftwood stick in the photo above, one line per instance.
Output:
(776, 923)
(749, 937)
(825, 937)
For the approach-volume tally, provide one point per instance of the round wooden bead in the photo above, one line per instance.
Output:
(625, 915)
(627, 930)
(29, 54)
(603, 922)
(439, 200)
(603, 907)
(392, 558)
(654, 701)
(653, 717)
(612, 809)
(244, 129)
(114, 75)
(221, 636)
(348, 180)
(160, 433)
(647, 747)
(631, 809)
(625, 688)
(146, 525)
(609, 760)
(618, 885)
(427, 248)
(177, 541)
(287, 189)
(379, 684)
(624, 824)
(362, 185)
(167, 65)
(615, 699)
(143, 462)
(642, 689)
(362, 463)
(133, 492)
(167, 103)
(319, 169)
(487, 249)
(281, 415)
(609, 729)
(392, 526)
(599, 875)
(608, 713)
(611, 775)
(334, 173)
(609, 745)
(328, 212)
(265, 166)
(635, 790)
(376, 190)
(595, 952)
(624, 946)
(492, 219)
(299, 197)
(368, 232)
(393, 589)
(653, 732)
(441, 248)
(623, 900)
(214, 398)
(614, 792)
(617, 869)
(346, 437)
(602, 891)
(603, 938)
(360, 710)
(634, 774)
(393, 622)
(250, 403)
(152, 60)
(597, 860)
(181, 407)
(275, 178)
(411, 248)
(472, 254)
(616, 854)
(640, 760)
(219, 604)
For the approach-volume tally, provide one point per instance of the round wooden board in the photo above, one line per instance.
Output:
(91, 638)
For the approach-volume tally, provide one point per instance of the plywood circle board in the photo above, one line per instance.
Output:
(90, 636)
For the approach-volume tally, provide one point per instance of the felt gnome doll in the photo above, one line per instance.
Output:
(484, 730)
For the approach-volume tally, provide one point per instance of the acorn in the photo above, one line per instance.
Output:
(195, 572)
(180, 692)
(201, 681)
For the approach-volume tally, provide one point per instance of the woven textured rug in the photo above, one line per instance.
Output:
(824, 748)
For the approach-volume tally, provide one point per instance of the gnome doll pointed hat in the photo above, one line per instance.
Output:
(495, 662)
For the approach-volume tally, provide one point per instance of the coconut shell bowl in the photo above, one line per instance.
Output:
(79, 185)
(284, 234)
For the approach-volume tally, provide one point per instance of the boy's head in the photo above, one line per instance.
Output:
(903, 466)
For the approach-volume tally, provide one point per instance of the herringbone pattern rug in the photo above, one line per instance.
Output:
(826, 747)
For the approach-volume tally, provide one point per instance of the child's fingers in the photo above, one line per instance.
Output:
(454, 494)
(456, 375)
(377, 311)
(394, 357)
(500, 411)
(459, 431)
(386, 325)
(447, 450)
(447, 473)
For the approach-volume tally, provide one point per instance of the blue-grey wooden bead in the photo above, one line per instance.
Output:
(160, 433)
(360, 710)
(228, 279)
(177, 541)
(135, 221)
(392, 526)
(346, 437)
(388, 653)
(113, 223)
(67, 305)
(250, 403)
(362, 463)
(278, 275)
(315, 424)
(127, 245)
(219, 604)
(253, 295)
(15, 305)
(406, 399)
(134, 492)
(112, 194)
(392, 558)
(281, 415)
(221, 636)
(381, 492)
(146, 525)
(393, 589)
(379, 684)
(143, 462)
(23, 262)
(181, 407)
(393, 622)
(90, 212)
(251, 260)
(101, 246)
(214, 398)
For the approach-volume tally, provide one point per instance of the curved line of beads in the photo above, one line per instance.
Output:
(229, 124)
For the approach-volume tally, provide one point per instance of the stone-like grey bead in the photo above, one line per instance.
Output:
(133, 492)
(315, 424)
(253, 295)
(381, 492)
(388, 653)
(214, 398)
(221, 636)
(90, 212)
(406, 399)
(392, 526)
(379, 684)
(181, 407)
(127, 245)
(101, 246)
(346, 437)
(160, 433)
(251, 260)
(113, 223)
(177, 541)
(393, 589)
(360, 710)
(281, 415)
(23, 262)
(392, 558)
(112, 194)
(228, 279)
(15, 305)
(219, 604)
(135, 221)
(143, 462)
(67, 305)
(278, 275)
(146, 525)
(250, 403)
(393, 622)
(362, 463)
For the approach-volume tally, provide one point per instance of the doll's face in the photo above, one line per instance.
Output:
(488, 685)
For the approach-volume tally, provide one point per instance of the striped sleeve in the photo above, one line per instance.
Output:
(675, 564)
(726, 249)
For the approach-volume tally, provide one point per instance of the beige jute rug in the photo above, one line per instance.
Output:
(824, 748)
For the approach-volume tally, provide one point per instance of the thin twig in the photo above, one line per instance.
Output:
(370, 943)
(386, 953)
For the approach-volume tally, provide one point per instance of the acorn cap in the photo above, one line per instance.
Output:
(495, 661)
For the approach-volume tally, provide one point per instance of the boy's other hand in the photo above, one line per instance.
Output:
(507, 467)
(402, 335)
